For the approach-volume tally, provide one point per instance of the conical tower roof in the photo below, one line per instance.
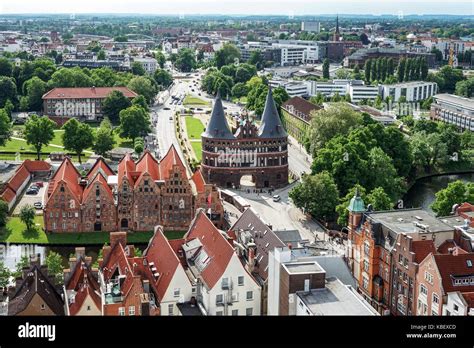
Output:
(271, 126)
(217, 127)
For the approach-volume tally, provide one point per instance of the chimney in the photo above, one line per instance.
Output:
(118, 237)
(251, 259)
(105, 253)
(146, 285)
(131, 251)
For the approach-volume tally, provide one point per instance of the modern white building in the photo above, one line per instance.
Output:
(413, 91)
(453, 109)
(293, 88)
(149, 64)
(314, 27)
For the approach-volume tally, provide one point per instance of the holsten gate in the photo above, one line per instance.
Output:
(260, 152)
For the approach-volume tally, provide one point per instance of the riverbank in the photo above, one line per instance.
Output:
(15, 233)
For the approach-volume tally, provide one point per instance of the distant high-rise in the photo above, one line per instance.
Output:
(314, 27)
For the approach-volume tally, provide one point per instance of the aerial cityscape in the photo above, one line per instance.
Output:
(233, 161)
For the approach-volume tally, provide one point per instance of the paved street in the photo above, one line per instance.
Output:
(281, 215)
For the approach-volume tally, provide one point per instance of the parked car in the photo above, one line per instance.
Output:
(167, 108)
(39, 183)
(276, 198)
(171, 118)
(38, 205)
(31, 191)
(34, 187)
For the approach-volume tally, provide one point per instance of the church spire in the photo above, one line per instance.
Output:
(336, 33)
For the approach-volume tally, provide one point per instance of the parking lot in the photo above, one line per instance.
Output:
(32, 199)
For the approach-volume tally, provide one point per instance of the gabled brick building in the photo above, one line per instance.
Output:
(372, 244)
(124, 280)
(81, 286)
(140, 196)
(446, 284)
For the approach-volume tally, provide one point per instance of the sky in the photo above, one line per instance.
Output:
(257, 7)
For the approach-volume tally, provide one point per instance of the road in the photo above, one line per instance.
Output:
(283, 214)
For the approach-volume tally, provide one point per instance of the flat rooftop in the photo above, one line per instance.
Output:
(403, 220)
(335, 299)
(451, 98)
(303, 267)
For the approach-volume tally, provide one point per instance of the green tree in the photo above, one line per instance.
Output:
(465, 88)
(186, 60)
(5, 127)
(316, 194)
(382, 173)
(326, 68)
(228, 54)
(368, 70)
(137, 69)
(23, 263)
(55, 267)
(379, 199)
(337, 119)
(256, 58)
(318, 99)
(142, 85)
(3, 213)
(141, 102)
(5, 275)
(163, 78)
(113, 104)
(245, 72)
(8, 90)
(134, 122)
(447, 77)
(6, 67)
(39, 131)
(70, 77)
(454, 193)
(34, 89)
(77, 137)
(27, 216)
(104, 138)
(401, 69)
(239, 90)
(160, 57)
(101, 55)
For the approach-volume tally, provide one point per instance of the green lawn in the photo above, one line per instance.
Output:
(194, 127)
(15, 145)
(15, 232)
(197, 147)
(190, 100)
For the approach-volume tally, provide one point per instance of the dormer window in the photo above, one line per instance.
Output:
(61, 189)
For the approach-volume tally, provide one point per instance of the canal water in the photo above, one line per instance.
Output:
(422, 193)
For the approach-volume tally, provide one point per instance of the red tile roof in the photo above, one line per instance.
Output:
(450, 266)
(169, 160)
(37, 166)
(214, 244)
(449, 246)
(422, 248)
(148, 164)
(199, 181)
(68, 174)
(84, 283)
(8, 195)
(160, 252)
(100, 165)
(125, 169)
(86, 92)
(21, 175)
